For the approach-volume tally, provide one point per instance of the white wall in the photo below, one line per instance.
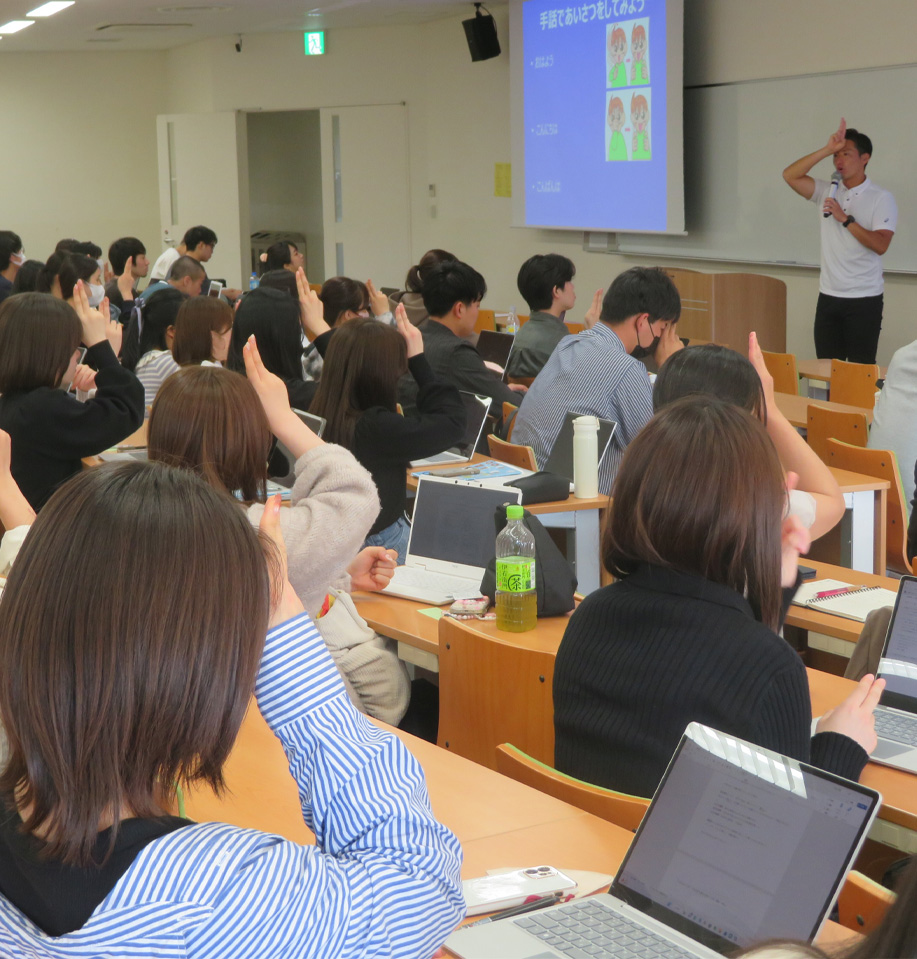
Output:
(458, 121)
(79, 147)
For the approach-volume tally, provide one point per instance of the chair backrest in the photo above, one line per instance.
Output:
(524, 380)
(882, 464)
(862, 902)
(491, 691)
(485, 321)
(512, 453)
(854, 383)
(575, 327)
(523, 318)
(315, 287)
(509, 418)
(619, 808)
(823, 424)
(782, 367)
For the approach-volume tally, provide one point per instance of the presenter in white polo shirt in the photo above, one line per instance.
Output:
(857, 226)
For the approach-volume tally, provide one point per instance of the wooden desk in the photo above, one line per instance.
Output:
(794, 408)
(581, 517)
(498, 821)
(820, 372)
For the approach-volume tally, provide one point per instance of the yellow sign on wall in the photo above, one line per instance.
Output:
(503, 179)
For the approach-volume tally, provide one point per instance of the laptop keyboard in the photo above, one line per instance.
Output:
(898, 728)
(424, 579)
(584, 929)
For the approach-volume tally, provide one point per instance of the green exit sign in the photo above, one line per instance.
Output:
(315, 43)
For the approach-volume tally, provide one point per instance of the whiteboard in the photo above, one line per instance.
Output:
(740, 136)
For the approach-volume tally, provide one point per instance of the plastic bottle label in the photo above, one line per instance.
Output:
(516, 574)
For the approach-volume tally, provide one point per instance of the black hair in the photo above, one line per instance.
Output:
(197, 235)
(859, 140)
(284, 280)
(341, 294)
(641, 289)
(417, 273)
(10, 243)
(449, 283)
(45, 281)
(185, 266)
(540, 274)
(123, 248)
(278, 255)
(710, 370)
(147, 327)
(66, 245)
(73, 267)
(87, 248)
(26, 280)
(273, 317)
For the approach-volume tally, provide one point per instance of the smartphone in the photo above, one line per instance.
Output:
(490, 893)
(215, 288)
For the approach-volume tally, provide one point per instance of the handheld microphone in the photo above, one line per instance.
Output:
(832, 191)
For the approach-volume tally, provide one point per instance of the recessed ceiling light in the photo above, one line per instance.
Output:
(50, 8)
(14, 26)
(195, 8)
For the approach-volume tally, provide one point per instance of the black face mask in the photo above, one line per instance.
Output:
(641, 352)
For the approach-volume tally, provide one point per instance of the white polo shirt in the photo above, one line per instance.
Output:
(848, 268)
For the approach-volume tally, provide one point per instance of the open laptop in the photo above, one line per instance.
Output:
(561, 459)
(280, 453)
(476, 410)
(452, 540)
(495, 347)
(896, 714)
(739, 844)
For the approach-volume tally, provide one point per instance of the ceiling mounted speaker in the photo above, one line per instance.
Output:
(481, 34)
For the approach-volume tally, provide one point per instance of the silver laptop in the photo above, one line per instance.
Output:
(476, 410)
(495, 347)
(739, 844)
(561, 459)
(452, 540)
(896, 715)
(315, 423)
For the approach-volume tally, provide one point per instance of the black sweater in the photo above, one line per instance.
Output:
(51, 431)
(645, 656)
(385, 442)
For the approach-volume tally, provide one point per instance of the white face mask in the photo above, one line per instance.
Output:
(17, 259)
(96, 294)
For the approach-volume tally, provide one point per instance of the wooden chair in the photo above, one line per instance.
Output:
(492, 691)
(854, 383)
(512, 453)
(509, 418)
(823, 424)
(523, 318)
(862, 902)
(782, 367)
(621, 809)
(485, 321)
(524, 380)
(884, 465)
(575, 327)
(315, 287)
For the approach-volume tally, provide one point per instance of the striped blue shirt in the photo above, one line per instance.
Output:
(588, 373)
(381, 881)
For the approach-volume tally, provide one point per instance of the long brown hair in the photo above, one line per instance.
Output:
(197, 318)
(362, 366)
(131, 631)
(701, 490)
(210, 420)
(38, 335)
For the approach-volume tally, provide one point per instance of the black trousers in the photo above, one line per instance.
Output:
(848, 328)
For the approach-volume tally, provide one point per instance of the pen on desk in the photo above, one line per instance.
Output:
(540, 903)
(836, 592)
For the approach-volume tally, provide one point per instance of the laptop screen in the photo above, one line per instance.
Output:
(742, 844)
(898, 665)
(476, 409)
(454, 521)
(495, 347)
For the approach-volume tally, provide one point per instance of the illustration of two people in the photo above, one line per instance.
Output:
(617, 50)
(640, 120)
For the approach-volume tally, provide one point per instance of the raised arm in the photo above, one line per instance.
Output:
(796, 174)
(795, 454)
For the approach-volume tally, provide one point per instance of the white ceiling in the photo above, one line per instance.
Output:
(162, 24)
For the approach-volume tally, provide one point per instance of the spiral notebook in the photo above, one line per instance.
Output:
(857, 603)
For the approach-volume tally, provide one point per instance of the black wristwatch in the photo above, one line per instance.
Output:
(848, 221)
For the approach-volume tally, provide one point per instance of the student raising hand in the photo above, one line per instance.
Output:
(378, 302)
(412, 335)
(310, 306)
(94, 324)
(285, 604)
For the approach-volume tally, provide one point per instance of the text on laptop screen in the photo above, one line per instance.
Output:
(742, 846)
(454, 522)
(898, 666)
